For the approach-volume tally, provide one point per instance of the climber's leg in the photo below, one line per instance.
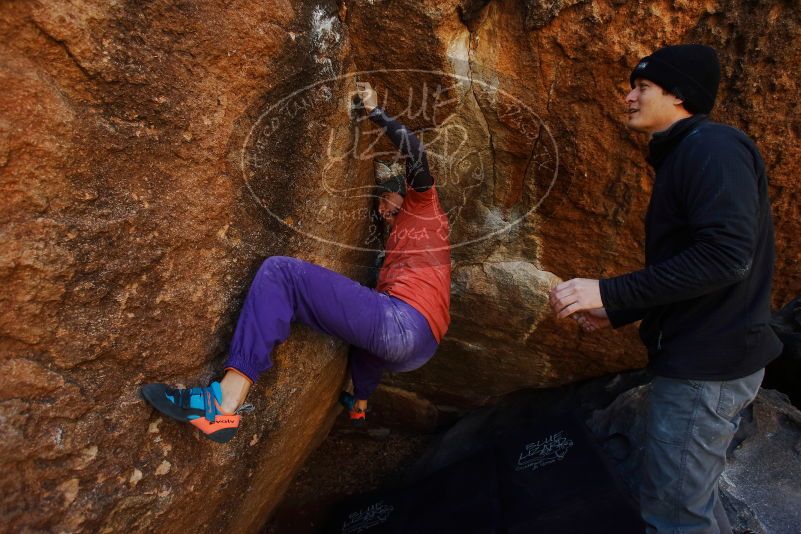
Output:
(404, 343)
(235, 387)
(287, 290)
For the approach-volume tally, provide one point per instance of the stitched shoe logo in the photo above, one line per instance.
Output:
(544, 452)
(371, 516)
(222, 422)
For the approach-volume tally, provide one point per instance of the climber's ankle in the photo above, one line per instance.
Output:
(235, 387)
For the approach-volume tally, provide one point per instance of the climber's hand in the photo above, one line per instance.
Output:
(575, 295)
(592, 320)
(367, 95)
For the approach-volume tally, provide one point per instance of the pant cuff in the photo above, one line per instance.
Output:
(242, 367)
(362, 393)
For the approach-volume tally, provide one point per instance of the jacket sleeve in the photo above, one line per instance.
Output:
(620, 318)
(418, 176)
(720, 193)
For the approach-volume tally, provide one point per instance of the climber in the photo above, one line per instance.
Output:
(704, 294)
(396, 326)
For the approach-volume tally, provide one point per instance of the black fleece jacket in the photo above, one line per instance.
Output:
(704, 294)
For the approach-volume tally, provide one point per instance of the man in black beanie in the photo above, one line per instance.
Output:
(704, 294)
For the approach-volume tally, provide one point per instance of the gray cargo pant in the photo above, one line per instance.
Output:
(690, 425)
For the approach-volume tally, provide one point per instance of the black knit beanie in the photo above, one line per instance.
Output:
(691, 72)
(395, 184)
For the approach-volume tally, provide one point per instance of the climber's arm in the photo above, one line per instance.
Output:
(418, 176)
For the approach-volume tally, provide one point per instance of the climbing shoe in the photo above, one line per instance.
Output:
(356, 415)
(200, 407)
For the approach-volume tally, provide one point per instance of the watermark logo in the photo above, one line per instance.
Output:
(493, 159)
(544, 452)
(369, 517)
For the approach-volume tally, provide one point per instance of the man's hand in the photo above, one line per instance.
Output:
(367, 95)
(575, 295)
(593, 320)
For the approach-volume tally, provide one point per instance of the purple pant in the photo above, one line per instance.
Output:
(385, 332)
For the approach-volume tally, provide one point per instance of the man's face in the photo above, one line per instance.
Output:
(651, 109)
(389, 204)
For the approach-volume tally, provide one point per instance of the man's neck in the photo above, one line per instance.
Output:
(673, 120)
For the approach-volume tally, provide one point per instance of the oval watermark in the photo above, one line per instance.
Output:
(464, 167)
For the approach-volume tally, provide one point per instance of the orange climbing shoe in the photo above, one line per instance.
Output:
(356, 415)
(200, 407)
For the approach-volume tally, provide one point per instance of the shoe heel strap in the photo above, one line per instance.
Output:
(209, 404)
(245, 408)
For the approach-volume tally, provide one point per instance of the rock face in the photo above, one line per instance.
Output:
(131, 229)
(151, 155)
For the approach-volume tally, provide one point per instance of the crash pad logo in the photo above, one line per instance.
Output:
(308, 158)
(371, 516)
(544, 452)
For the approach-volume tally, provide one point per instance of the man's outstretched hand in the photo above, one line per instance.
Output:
(578, 294)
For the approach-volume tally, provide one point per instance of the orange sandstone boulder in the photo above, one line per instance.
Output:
(152, 155)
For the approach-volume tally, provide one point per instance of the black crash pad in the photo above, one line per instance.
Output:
(528, 475)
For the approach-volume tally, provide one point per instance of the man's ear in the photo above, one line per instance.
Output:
(678, 99)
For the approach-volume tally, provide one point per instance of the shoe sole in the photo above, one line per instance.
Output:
(220, 436)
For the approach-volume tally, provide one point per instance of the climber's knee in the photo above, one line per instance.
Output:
(277, 263)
